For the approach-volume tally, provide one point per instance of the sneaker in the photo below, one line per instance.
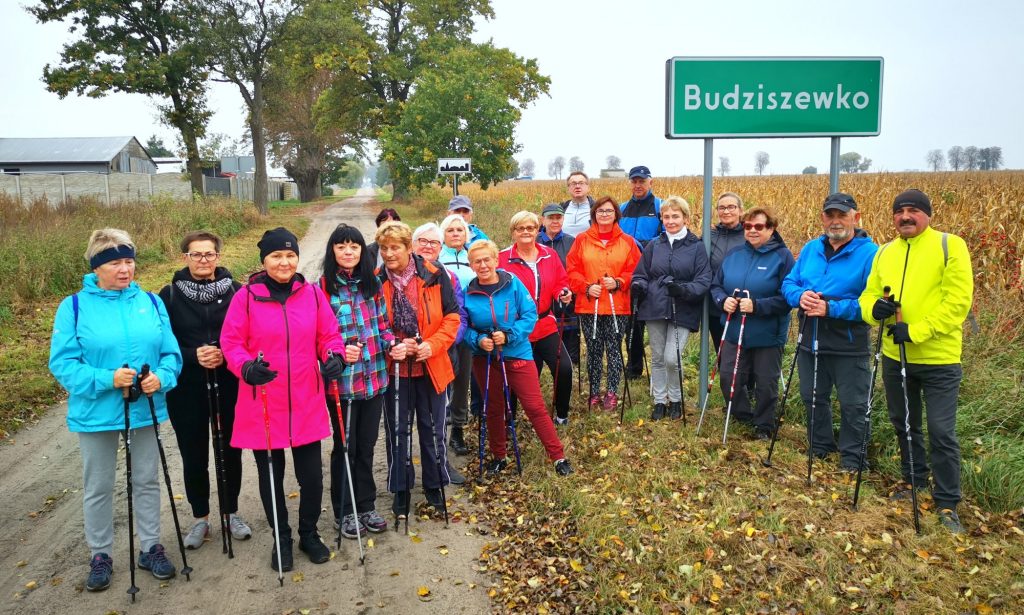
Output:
(594, 403)
(314, 548)
(199, 533)
(155, 560)
(560, 421)
(101, 567)
(902, 493)
(351, 528)
(562, 467)
(454, 476)
(458, 442)
(611, 400)
(675, 410)
(287, 562)
(240, 530)
(373, 521)
(495, 466)
(658, 413)
(400, 505)
(435, 498)
(951, 521)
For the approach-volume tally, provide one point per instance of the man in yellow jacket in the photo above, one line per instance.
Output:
(932, 286)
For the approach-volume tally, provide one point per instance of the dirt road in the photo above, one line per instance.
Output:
(43, 555)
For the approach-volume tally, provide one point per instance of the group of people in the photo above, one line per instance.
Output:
(423, 327)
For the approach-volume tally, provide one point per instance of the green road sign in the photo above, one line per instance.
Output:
(772, 97)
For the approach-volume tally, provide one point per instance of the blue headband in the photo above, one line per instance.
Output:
(111, 254)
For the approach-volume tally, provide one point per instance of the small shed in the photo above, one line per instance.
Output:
(74, 155)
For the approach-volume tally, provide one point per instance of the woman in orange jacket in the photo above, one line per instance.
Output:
(600, 265)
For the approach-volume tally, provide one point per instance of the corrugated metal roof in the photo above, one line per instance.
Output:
(73, 149)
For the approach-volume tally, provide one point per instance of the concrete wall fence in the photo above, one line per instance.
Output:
(115, 188)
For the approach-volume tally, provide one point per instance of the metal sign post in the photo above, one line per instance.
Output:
(454, 167)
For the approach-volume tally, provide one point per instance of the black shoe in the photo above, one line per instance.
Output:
(434, 498)
(675, 410)
(454, 476)
(496, 466)
(314, 548)
(562, 467)
(658, 413)
(458, 442)
(951, 521)
(400, 506)
(903, 493)
(286, 555)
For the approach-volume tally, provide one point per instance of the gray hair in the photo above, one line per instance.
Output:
(423, 229)
(104, 238)
(453, 219)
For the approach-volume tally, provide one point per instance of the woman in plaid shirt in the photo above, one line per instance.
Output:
(353, 290)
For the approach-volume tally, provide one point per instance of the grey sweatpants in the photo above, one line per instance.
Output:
(665, 359)
(99, 469)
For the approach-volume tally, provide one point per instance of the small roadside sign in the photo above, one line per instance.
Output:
(454, 166)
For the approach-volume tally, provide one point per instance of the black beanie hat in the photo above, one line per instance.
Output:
(912, 198)
(276, 239)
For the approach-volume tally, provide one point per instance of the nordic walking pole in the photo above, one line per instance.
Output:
(408, 438)
(867, 416)
(185, 568)
(714, 372)
(785, 394)
(510, 415)
(558, 361)
(735, 369)
(483, 416)
(126, 392)
(814, 395)
(270, 472)
(679, 360)
(218, 458)
(395, 423)
(596, 302)
(906, 425)
(611, 302)
(437, 457)
(343, 432)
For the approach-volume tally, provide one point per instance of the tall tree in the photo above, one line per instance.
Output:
(723, 165)
(971, 158)
(527, 168)
(852, 162)
(558, 164)
(990, 158)
(613, 162)
(242, 34)
(144, 47)
(156, 148)
(760, 162)
(575, 164)
(810, 170)
(936, 159)
(956, 158)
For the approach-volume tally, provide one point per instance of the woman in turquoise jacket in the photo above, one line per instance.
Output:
(102, 336)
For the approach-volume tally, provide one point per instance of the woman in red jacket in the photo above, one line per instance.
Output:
(540, 270)
(600, 265)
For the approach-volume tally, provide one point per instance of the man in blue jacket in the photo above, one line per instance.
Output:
(641, 218)
(826, 284)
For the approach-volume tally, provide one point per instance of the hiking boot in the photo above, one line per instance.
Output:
(495, 466)
(434, 498)
(611, 400)
(155, 560)
(454, 476)
(314, 548)
(400, 505)
(658, 413)
(458, 442)
(594, 402)
(101, 567)
(199, 533)
(352, 528)
(373, 522)
(287, 563)
(562, 467)
(951, 521)
(902, 493)
(240, 530)
(675, 410)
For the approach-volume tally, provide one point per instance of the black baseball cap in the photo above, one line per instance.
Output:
(640, 171)
(841, 201)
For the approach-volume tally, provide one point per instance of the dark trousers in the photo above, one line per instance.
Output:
(851, 377)
(363, 427)
(571, 341)
(765, 364)
(637, 349)
(940, 387)
(458, 405)
(547, 351)
(308, 473)
(416, 398)
(189, 412)
(715, 328)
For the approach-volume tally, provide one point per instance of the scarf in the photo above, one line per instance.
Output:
(203, 292)
(404, 320)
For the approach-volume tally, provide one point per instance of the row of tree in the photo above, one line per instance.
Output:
(321, 79)
(968, 158)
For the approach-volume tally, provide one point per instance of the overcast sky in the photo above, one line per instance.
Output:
(954, 75)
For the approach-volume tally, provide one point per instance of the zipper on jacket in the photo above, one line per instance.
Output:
(288, 363)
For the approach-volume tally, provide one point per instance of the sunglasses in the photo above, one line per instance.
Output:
(751, 226)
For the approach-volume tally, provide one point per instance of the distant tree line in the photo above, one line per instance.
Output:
(968, 158)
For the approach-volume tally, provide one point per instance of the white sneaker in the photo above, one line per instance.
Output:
(240, 530)
(198, 534)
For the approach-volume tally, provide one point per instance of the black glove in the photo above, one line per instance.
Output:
(638, 292)
(333, 367)
(884, 308)
(675, 289)
(257, 372)
(900, 333)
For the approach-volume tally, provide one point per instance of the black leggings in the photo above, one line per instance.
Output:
(547, 350)
(306, 462)
(363, 429)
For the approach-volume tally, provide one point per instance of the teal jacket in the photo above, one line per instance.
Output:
(113, 327)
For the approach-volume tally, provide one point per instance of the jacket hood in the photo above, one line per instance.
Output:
(595, 235)
(218, 274)
(774, 243)
(90, 284)
(542, 252)
(260, 279)
(690, 238)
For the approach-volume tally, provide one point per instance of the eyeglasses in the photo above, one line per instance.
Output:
(428, 243)
(752, 226)
(577, 184)
(483, 261)
(198, 257)
(525, 229)
(727, 208)
(605, 212)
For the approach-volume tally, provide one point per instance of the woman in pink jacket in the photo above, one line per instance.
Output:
(290, 323)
